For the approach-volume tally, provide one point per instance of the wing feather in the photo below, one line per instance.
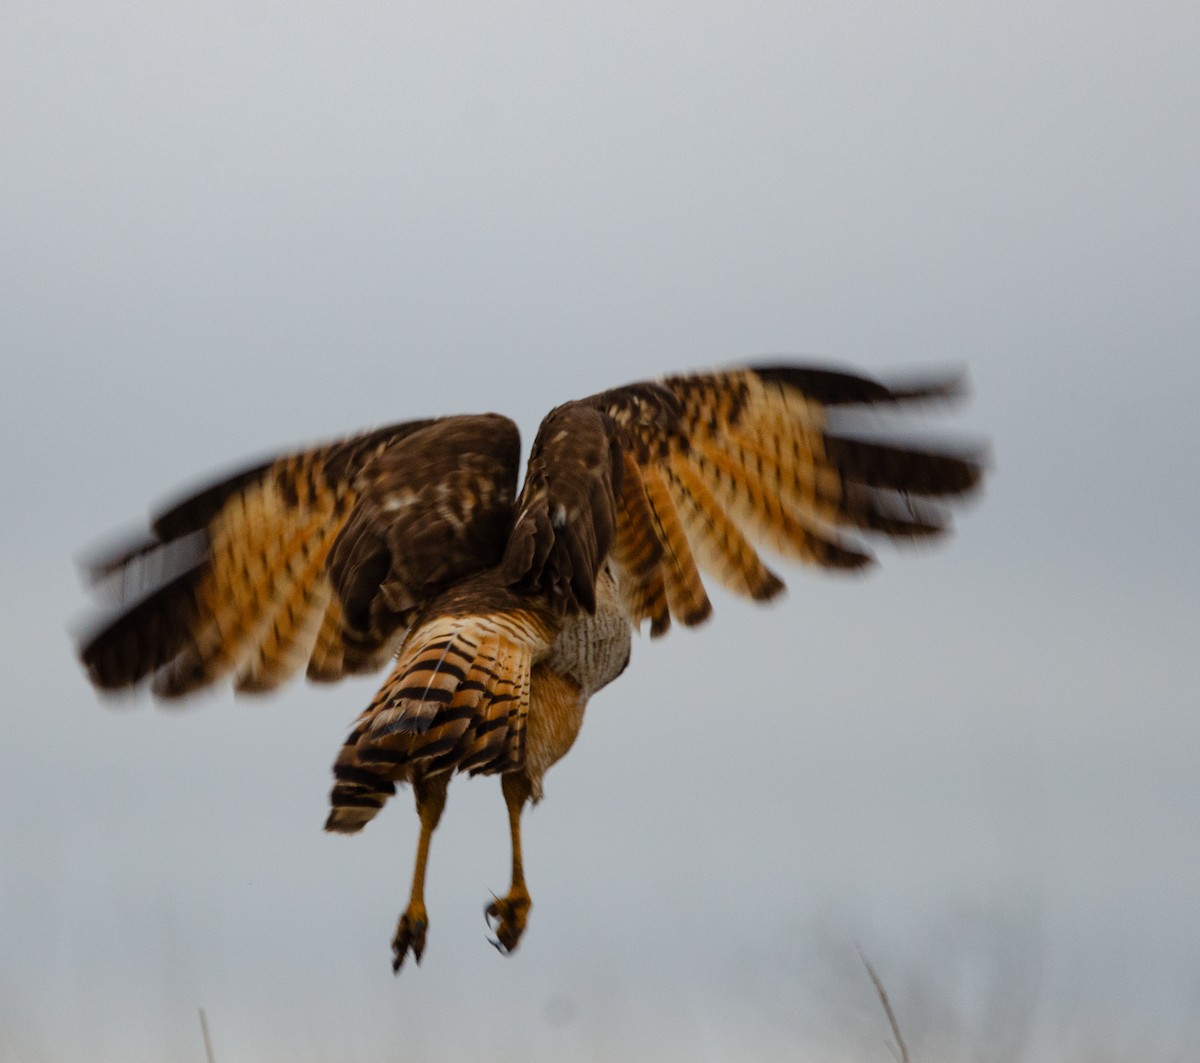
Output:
(686, 597)
(708, 465)
(637, 553)
(720, 546)
(321, 557)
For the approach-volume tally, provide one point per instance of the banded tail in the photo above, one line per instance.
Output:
(457, 700)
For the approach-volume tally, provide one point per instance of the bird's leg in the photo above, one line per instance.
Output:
(410, 931)
(510, 912)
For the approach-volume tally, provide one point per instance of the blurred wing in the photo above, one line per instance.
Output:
(669, 479)
(319, 558)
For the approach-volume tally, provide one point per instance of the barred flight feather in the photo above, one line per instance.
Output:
(290, 632)
(241, 573)
(256, 541)
(768, 517)
(327, 661)
(720, 547)
(637, 553)
(686, 597)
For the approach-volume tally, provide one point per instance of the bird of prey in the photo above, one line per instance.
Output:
(504, 612)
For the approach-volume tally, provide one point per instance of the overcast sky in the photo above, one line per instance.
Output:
(233, 226)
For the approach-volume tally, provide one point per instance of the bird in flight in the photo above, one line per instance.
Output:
(504, 612)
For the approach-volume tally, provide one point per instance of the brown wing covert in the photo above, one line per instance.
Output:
(567, 510)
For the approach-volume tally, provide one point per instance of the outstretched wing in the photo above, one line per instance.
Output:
(319, 558)
(665, 480)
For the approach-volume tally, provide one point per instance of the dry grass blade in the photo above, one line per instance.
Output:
(899, 1049)
(207, 1043)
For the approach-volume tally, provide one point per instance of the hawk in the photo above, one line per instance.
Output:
(504, 612)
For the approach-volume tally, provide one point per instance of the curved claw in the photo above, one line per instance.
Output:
(506, 916)
(410, 936)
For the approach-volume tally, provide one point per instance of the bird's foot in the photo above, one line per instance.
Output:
(506, 916)
(410, 935)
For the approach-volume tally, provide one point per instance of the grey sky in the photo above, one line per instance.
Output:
(230, 227)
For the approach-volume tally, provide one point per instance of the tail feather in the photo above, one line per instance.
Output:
(457, 700)
(358, 792)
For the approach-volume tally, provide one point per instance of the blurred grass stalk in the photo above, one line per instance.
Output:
(899, 1049)
(208, 1052)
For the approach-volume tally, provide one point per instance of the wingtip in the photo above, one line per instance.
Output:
(951, 384)
(832, 386)
(770, 588)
